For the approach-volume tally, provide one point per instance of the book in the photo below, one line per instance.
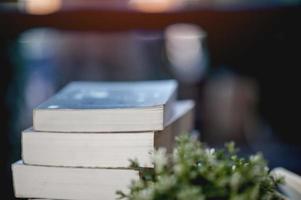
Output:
(69, 183)
(107, 107)
(292, 182)
(104, 149)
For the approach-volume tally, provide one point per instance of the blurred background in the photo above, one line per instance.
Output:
(238, 59)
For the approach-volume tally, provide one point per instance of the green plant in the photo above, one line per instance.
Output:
(195, 172)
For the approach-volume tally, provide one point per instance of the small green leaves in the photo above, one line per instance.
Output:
(195, 172)
(230, 147)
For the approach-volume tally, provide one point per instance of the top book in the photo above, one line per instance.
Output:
(107, 107)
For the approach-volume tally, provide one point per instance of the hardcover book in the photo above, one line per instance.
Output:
(107, 107)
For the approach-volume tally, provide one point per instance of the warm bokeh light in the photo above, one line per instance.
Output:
(153, 5)
(41, 7)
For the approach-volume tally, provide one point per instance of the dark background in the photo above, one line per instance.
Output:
(246, 91)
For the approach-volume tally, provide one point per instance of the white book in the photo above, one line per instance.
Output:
(107, 107)
(292, 183)
(70, 183)
(104, 149)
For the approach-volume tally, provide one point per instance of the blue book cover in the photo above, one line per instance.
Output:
(110, 95)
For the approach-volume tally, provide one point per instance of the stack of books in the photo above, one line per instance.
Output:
(83, 137)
